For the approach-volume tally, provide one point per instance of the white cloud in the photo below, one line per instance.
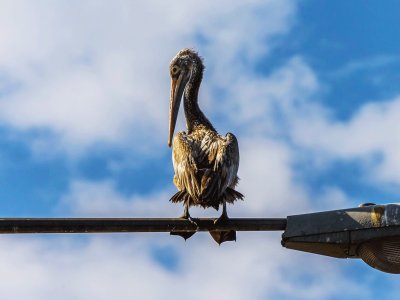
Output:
(268, 181)
(101, 199)
(370, 137)
(93, 72)
(261, 105)
(105, 267)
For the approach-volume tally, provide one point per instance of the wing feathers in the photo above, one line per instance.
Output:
(206, 166)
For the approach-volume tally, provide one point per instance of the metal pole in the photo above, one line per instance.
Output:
(98, 225)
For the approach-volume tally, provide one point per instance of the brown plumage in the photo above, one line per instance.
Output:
(205, 163)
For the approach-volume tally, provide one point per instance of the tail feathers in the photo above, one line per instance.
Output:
(232, 195)
(178, 197)
(209, 186)
(182, 196)
(184, 234)
(223, 236)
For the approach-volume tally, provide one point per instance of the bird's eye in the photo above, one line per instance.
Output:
(175, 70)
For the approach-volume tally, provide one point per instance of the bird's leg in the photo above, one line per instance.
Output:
(223, 235)
(186, 215)
(224, 216)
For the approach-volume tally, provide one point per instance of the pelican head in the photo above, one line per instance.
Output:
(184, 66)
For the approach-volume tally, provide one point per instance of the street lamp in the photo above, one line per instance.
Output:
(370, 232)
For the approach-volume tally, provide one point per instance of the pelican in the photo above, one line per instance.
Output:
(205, 163)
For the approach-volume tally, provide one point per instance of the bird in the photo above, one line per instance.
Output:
(205, 163)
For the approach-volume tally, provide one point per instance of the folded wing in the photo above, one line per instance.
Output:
(206, 168)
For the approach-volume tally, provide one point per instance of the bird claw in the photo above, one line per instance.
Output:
(223, 219)
(184, 216)
(186, 234)
(193, 221)
(189, 218)
(223, 235)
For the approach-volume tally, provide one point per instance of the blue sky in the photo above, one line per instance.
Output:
(309, 87)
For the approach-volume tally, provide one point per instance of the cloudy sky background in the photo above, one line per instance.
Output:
(310, 88)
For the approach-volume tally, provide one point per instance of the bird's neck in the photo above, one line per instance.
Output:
(195, 118)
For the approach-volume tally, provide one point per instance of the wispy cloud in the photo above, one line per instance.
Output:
(369, 63)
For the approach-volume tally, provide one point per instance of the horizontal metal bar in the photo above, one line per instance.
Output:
(98, 225)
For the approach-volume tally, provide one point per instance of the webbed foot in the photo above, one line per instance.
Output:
(226, 235)
(185, 234)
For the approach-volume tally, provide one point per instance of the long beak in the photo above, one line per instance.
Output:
(177, 88)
